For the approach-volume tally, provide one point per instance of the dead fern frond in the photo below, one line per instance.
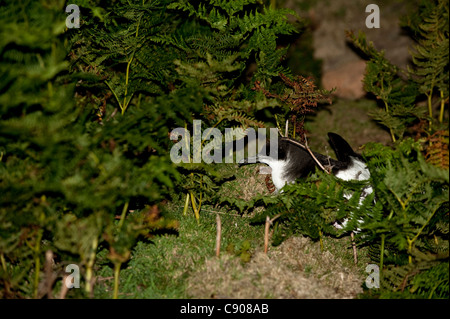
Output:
(437, 152)
(300, 95)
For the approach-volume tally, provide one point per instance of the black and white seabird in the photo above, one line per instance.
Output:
(292, 162)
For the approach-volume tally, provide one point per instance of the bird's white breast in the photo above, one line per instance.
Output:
(357, 170)
(278, 169)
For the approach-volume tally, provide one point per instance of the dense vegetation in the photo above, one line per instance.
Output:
(86, 113)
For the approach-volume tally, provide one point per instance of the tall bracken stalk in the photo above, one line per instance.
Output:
(126, 101)
(90, 266)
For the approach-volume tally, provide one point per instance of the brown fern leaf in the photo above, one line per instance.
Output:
(437, 152)
(300, 95)
(303, 96)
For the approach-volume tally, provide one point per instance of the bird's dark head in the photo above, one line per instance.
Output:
(273, 150)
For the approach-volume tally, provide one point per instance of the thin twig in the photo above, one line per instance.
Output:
(266, 235)
(64, 288)
(219, 235)
(266, 231)
(355, 254)
(306, 147)
(312, 155)
(50, 277)
(112, 114)
(279, 132)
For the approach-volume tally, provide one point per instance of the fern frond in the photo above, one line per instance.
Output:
(437, 153)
